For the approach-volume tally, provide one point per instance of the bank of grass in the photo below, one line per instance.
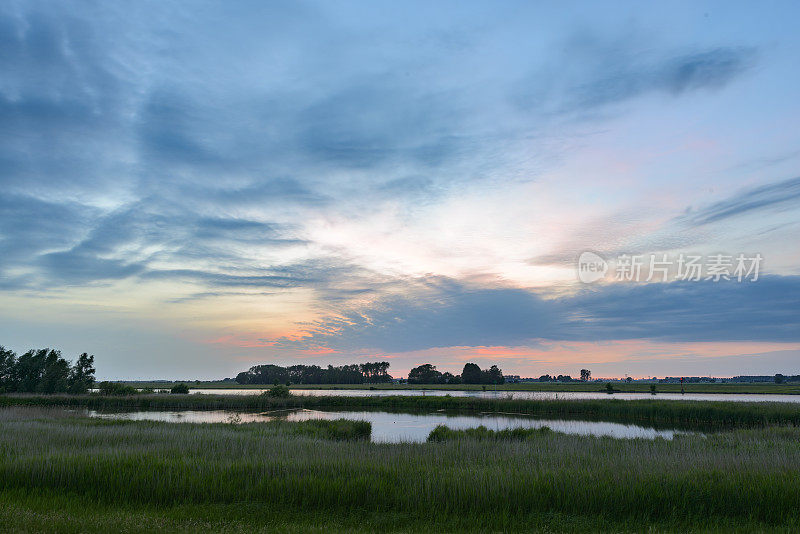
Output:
(62, 473)
(653, 412)
(445, 433)
(336, 429)
(623, 387)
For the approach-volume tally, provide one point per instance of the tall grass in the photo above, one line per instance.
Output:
(683, 414)
(444, 433)
(743, 475)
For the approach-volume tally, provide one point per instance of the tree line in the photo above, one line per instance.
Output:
(471, 374)
(44, 371)
(586, 375)
(370, 372)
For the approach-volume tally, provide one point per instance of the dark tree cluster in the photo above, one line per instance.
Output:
(559, 378)
(371, 372)
(428, 374)
(45, 371)
(781, 379)
(472, 374)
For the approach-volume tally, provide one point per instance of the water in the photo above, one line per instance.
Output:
(525, 395)
(403, 427)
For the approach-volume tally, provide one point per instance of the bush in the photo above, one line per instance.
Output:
(115, 388)
(179, 389)
(279, 391)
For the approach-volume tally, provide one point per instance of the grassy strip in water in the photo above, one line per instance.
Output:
(748, 477)
(684, 414)
(337, 429)
(622, 387)
(445, 433)
(633, 387)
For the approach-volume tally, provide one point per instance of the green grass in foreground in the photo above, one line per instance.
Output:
(69, 474)
(653, 412)
(53, 512)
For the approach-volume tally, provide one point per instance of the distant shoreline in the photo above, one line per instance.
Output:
(620, 387)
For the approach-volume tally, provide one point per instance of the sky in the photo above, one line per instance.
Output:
(188, 189)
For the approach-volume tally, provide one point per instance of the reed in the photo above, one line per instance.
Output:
(444, 433)
(747, 476)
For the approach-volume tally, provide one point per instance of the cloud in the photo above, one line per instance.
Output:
(231, 151)
(606, 70)
(29, 226)
(765, 310)
(452, 314)
(707, 69)
(675, 233)
(77, 266)
(771, 196)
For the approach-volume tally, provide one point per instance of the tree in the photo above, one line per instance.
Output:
(266, 374)
(54, 373)
(375, 372)
(29, 370)
(81, 376)
(45, 371)
(586, 375)
(8, 362)
(493, 375)
(779, 378)
(424, 374)
(471, 374)
(383, 372)
(447, 378)
(243, 378)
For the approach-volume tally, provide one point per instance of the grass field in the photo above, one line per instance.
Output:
(623, 387)
(70, 474)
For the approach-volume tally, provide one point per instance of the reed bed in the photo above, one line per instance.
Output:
(444, 433)
(683, 414)
(746, 476)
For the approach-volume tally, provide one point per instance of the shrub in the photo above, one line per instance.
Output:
(279, 391)
(179, 389)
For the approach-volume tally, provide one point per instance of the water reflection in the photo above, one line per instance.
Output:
(404, 427)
